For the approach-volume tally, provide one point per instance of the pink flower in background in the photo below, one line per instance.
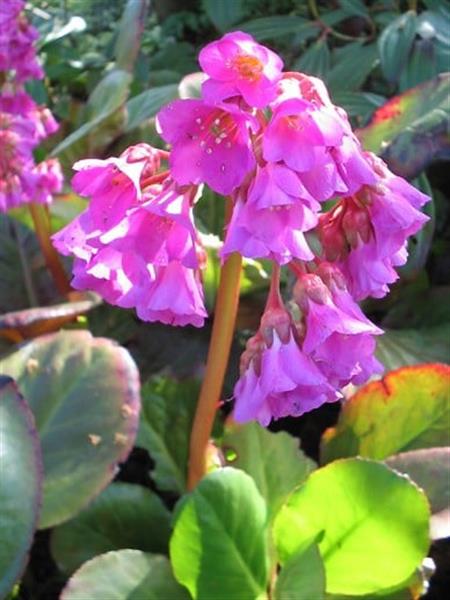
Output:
(20, 179)
(17, 37)
(238, 66)
(270, 220)
(49, 180)
(23, 124)
(209, 145)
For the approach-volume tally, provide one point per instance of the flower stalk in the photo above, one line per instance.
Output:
(51, 257)
(216, 364)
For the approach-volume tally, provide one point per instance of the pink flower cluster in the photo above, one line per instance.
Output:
(23, 124)
(275, 144)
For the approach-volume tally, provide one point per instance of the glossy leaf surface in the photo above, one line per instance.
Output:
(352, 507)
(219, 545)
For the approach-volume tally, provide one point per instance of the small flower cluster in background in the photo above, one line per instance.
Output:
(23, 123)
(275, 144)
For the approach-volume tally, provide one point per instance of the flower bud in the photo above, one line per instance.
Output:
(276, 319)
(310, 287)
(356, 224)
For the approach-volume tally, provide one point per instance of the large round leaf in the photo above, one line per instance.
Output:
(20, 482)
(370, 522)
(124, 575)
(123, 516)
(256, 450)
(84, 393)
(408, 409)
(219, 545)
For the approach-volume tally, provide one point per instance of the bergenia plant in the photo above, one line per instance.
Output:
(300, 191)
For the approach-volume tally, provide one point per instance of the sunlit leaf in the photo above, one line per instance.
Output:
(219, 544)
(256, 450)
(351, 508)
(408, 409)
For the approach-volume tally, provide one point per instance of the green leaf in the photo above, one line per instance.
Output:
(422, 65)
(371, 525)
(124, 575)
(316, 60)
(406, 410)
(106, 119)
(394, 44)
(256, 450)
(302, 577)
(273, 27)
(20, 483)
(430, 469)
(109, 94)
(354, 64)
(24, 278)
(129, 34)
(411, 130)
(360, 105)
(84, 394)
(399, 348)
(354, 7)
(420, 243)
(144, 106)
(219, 544)
(224, 14)
(168, 409)
(123, 516)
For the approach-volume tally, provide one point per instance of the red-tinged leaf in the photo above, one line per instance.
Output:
(411, 130)
(31, 322)
(84, 394)
(406, 410)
